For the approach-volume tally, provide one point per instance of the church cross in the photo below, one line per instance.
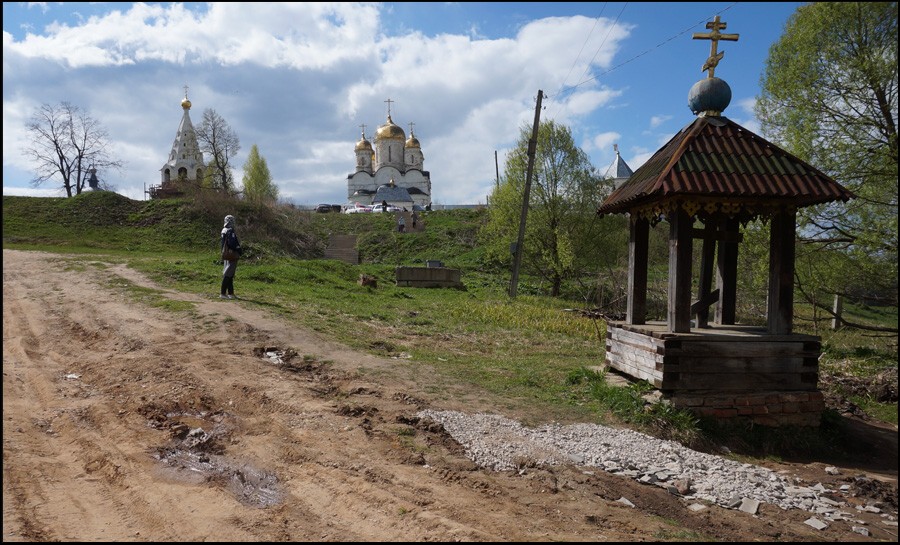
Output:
(411, 127)
(389, 106)
(185, 90)
(714, 57)
(363, 127)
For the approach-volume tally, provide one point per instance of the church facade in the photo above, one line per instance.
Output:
(392, 168)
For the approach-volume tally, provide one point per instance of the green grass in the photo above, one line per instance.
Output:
(530, 351)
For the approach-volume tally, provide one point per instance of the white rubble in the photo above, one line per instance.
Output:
(500, 444)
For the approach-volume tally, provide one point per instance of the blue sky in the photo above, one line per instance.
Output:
(298, 79)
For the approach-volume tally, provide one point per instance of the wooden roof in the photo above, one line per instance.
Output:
(715, 159)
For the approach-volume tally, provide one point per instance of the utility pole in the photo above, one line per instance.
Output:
(532, 145)
(497, 169)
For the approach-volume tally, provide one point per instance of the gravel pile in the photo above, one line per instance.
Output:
(501, 444)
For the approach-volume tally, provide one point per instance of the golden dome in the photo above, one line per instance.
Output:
(412, 142)
(363, 144)
(186, 104)
(390, 131)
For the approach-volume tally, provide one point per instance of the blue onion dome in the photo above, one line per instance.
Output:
(709, 96)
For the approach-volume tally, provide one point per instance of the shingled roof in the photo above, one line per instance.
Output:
(715, 159)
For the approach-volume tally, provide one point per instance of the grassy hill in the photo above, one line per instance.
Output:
(111, 222)
(532, 349)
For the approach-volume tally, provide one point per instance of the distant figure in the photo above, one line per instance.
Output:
(93, 182)
(231, 252)
(428, 207)
(401, 223)
(384, 206)
(415, 219)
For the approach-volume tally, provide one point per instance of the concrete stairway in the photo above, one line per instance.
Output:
(343, 248)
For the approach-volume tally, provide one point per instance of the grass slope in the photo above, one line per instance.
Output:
(532, 351)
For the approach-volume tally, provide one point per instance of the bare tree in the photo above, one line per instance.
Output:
(221, 143)
(65, 143)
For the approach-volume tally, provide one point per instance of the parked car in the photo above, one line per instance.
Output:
(390, 208)
(322, 208)
(357, 209)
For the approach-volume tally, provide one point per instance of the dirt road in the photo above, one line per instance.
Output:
(125, 422)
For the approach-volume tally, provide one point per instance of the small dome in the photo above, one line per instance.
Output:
(709, 96)
(412, 142)
(363, 145)
(390, 131)
(186, 104)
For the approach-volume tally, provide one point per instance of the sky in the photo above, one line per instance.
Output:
(298, 79)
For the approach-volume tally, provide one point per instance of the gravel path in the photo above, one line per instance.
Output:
(500, 444)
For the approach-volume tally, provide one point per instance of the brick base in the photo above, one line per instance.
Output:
(763, 408)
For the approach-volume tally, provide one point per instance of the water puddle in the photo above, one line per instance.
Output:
(196, 455)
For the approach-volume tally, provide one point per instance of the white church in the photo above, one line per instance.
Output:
(392, 171)
(185, 166)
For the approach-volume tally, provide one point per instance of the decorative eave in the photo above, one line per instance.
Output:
(715, 165)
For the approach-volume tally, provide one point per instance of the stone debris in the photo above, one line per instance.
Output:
(625, 501)
(815, 523)
(501, 444)
(749, 506)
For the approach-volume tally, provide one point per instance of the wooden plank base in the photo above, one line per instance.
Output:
(724, 371)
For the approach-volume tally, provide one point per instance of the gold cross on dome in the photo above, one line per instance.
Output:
(389, 106)
(714, 57)
(363, 127)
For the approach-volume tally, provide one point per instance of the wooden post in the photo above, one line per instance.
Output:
(726, 274)
(780, 306)
(680, 250)
(638, 245)
(520, 241)
(708, 256)
(838, 309)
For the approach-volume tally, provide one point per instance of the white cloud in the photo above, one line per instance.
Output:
(747, 105)
(297, 79)
(33, 192)
(658, 120)
(296, 35)
(604, 141)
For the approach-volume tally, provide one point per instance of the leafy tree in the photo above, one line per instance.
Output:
(65, 143)
(258, 186)
(563, 239)
(219, 141)
(829, 95)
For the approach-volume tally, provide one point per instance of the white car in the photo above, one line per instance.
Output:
(357, 209)
(390, 208)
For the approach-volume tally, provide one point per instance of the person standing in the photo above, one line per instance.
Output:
(384, 206)
(414, 218)
(231, 252)
(401, 223)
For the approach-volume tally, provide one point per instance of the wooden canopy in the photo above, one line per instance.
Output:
(724, 175)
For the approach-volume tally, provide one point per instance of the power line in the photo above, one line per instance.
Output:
(639, 55)
(586, 40)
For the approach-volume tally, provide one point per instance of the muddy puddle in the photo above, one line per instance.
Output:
(196, 455)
